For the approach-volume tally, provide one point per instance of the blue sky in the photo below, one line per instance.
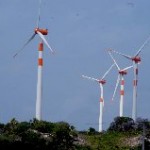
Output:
(79, 31)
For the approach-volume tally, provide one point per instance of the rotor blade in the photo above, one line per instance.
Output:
(90, 78)
(144, 44)
(114, 61)
(45, 41)
(127, 68)
(124, 55)
(30, 39)
(117, 83)
(39, 13)
(108, 71)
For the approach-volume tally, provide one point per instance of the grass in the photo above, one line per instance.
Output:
(109, 141)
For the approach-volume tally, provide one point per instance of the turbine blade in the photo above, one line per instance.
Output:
(127, 68)
(106, 73)
(117, 83)
(45, 41)
(114, 61)
(143, 45)
(90, 78)
(30, 39)
(124, 55)
(39, 13)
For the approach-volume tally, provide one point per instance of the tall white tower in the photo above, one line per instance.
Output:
(39, 83)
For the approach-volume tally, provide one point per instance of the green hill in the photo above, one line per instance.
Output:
(122, 134)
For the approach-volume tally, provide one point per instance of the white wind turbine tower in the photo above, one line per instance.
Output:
(121, 73)
(101, 83)
(41, 32)
(136, 59)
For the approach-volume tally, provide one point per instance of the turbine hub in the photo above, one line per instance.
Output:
(123, 72)
(136, 59)
(42, 31)
(102, 81)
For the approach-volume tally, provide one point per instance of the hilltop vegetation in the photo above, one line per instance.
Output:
(122, 134)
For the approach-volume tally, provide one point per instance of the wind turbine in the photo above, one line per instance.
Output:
(121, 73)
(101, 83)
(41, 32)
(136, 59)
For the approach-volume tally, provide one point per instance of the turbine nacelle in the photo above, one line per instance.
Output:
(102, 81)
(42, 31)
(136, 59)
(122, 72)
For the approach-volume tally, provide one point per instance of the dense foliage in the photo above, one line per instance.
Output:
(124, 124)
(123, 134)
(37, 135)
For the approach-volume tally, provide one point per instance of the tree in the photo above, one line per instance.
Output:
(140, 122)
(11, 126)
(91, 131)
(22, 127)
(42, 126)
(1, 128)
(63, 138)
(122, 124)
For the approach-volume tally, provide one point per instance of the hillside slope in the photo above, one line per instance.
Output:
(123, 134)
